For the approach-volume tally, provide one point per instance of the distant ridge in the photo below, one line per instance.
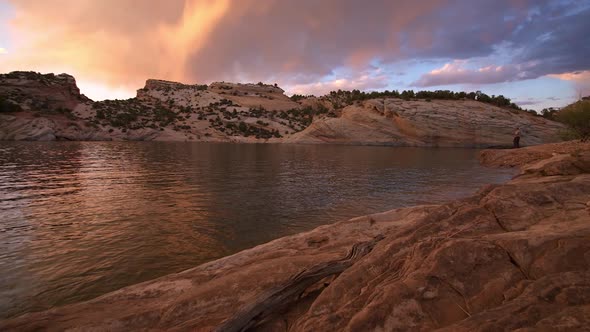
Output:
(37, 106)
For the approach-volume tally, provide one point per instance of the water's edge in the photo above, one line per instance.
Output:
(426, 199)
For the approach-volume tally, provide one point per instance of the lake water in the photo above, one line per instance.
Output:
(79, 219)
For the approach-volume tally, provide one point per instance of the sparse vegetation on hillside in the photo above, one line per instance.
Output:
(342, 97)
(29, 75)
(577, 117)
(131, 114)
(549, 113)
(297, 97)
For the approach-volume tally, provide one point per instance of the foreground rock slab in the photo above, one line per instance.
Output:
(512, 257)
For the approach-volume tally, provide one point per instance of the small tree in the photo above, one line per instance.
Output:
(549, 113)
(577, 117)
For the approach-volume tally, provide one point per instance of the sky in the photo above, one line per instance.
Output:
(535, 52)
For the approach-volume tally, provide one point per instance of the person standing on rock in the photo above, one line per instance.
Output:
(517, 138)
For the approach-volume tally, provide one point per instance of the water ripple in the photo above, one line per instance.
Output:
(79, 219)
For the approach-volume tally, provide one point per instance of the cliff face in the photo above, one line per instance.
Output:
(445, 123)
(33, 91)
(44, 106)
(51, 107)
(513, 256)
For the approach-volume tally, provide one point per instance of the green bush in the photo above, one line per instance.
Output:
(297, 97)
(577, 117)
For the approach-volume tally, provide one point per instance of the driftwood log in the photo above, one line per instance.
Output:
(252, 313)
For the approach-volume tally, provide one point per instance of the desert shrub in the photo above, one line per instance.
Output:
(63, 110)
(243, 127)
(164, 116)
(297, 97)
(100, 114)
(577, 117)
(549, 113)
(322, 109)
(307, 111)
(8, 106)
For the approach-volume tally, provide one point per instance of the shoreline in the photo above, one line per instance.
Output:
(360, 144)
(461, 265)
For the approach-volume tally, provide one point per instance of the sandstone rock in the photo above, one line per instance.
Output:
(32, 90)
(528, 155)
(513, 256)
(441, 123)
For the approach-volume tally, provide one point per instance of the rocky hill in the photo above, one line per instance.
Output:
(50, 107)
(514, 256)
(445, 123)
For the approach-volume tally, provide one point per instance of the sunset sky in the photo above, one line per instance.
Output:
(535, 52)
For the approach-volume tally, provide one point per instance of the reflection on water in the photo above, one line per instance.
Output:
(79, 219)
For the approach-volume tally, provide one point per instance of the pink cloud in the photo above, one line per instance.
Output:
(363, 82)
(457, 72)
(580, 80)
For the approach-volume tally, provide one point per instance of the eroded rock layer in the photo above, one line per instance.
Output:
(439, 123)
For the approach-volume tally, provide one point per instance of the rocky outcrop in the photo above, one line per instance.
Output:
(442, 123)
(248, 113)
(521, 157)
(513, 256)
(46, 103)
(34, 91)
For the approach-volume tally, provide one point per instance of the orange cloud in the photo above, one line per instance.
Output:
(117, 42)
(580, 80)
(189, 34)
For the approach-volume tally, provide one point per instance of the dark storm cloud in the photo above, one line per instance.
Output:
(553, 39)
(306, 37)
(555, 44)
(310, 38)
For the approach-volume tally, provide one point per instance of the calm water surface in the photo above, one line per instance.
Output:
(79, 219)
